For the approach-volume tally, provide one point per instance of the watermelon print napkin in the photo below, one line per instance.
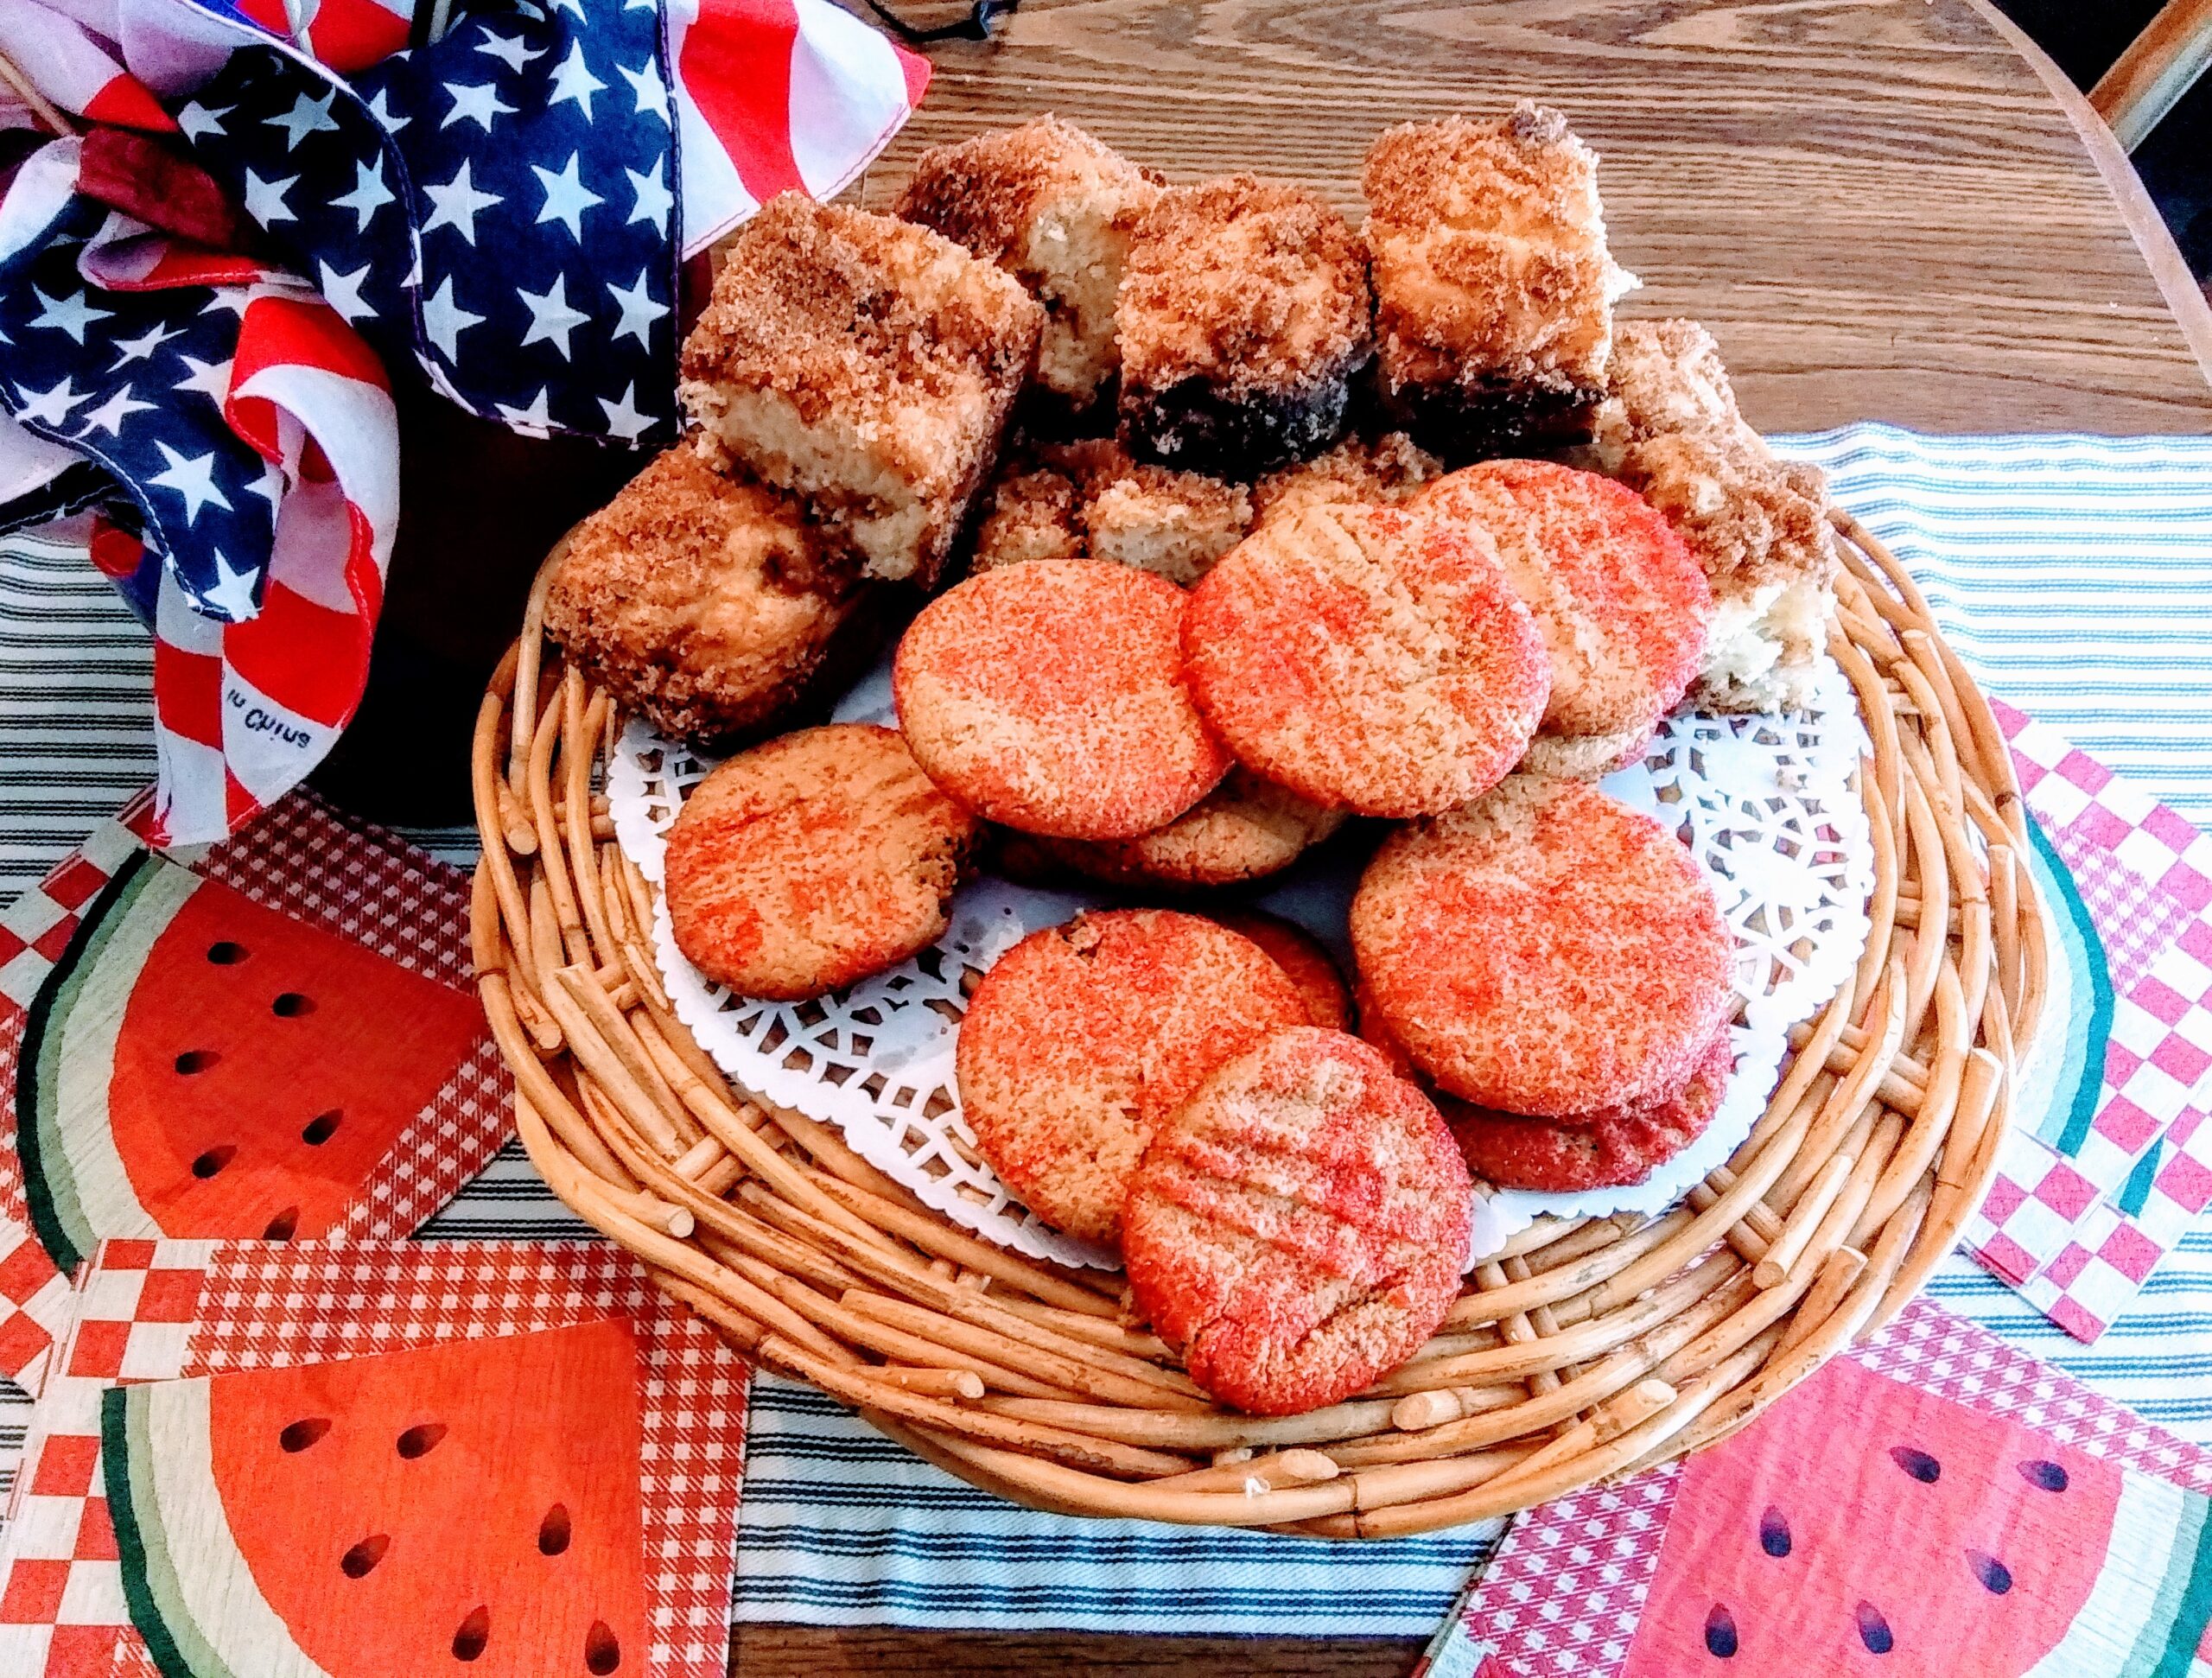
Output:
(248, 1449)
(2109, 1160)
(1932, 1501)
(275, 1037)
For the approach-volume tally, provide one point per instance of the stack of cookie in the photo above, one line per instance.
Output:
(1277, 534)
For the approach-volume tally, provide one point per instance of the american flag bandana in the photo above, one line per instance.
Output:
(501, 211)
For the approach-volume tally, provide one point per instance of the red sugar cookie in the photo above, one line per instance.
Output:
(1298, 1228)
(1612, 1147)
(1367, 658)
(1378, 1035)
(1299, 955)
(1048, 696)
(1546, 950)
(1623, 605)
(812, 861)
(1082, 1038)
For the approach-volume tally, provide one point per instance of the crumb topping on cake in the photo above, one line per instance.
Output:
(1249, 285)
(1053, 206)
(1664, 377)
(1759, 528)
(1750, 519)
(989, 192)
(1092, 499)
(1382, 473)
(865, 363)
(1031, 516)
(838, 308)
(1489, 247)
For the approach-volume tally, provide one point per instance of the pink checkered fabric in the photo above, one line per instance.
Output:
(1563, 1595)
(304, 860)
(156, 1310)
(2052, 1226)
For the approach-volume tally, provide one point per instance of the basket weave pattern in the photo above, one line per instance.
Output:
(1581, 1351)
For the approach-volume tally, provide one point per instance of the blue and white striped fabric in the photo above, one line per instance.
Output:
(2074, 573)
(840, 1527)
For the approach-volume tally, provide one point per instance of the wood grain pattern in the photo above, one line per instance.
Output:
(808, 1651)
(1877, 205)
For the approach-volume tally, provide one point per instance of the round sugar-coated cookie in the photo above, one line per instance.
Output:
(1050, 697)
(1297, 1230)
(1367, 658)
(1605, 1149)
(1623, 605)
(1545, 951)
(1245, 828)
(1299, 955)
(812, 861)
(1378, 1035)
(1084, 1037)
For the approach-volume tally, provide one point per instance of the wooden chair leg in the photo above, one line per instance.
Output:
(2163, 64)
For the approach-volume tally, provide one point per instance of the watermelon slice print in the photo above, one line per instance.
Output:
(1864, 1527)
(471, 1508)
(196, 1064)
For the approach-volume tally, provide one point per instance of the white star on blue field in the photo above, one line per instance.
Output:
(501, 201)
(134, 382)
(494, 212)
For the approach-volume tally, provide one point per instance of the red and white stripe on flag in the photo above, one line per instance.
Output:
(345, 35)
(69, 66)
(242, 711)
(775, 96)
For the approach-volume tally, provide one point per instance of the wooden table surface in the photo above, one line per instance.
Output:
(1885, 209)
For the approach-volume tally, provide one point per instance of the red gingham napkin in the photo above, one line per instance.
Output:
(2100, 1175)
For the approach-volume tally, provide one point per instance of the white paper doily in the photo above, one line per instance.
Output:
(1767, 805)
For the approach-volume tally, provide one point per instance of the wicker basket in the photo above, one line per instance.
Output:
(1583, 1350)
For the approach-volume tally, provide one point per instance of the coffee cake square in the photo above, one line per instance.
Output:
(1091, 498)
(1053, 207)
(1494, 289)
(1244, 315)
(1760, 527)
(1670, 428)
(711, 607)
(865, 364)
(1382, 473)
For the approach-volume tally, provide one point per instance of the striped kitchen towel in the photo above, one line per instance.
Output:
(2105, 545)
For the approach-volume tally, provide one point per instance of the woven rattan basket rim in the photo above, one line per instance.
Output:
(1584, 1350)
